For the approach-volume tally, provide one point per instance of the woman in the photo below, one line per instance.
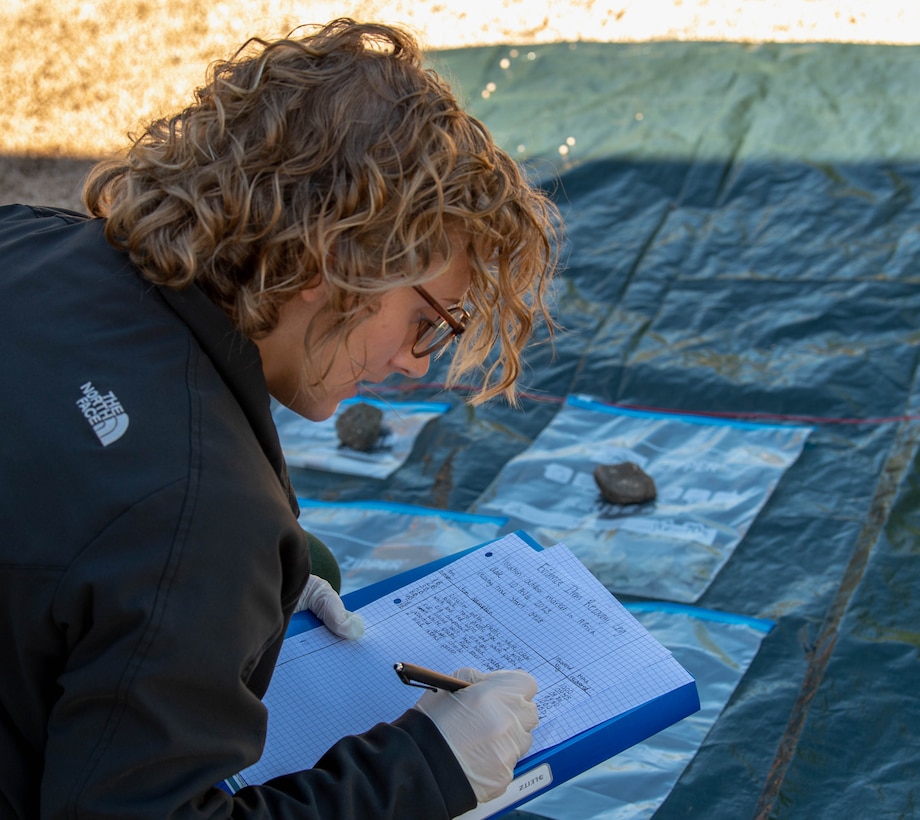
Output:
(324, 214)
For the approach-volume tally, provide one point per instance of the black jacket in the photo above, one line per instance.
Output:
(150, 557)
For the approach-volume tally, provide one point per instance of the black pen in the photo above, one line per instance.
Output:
(413, 675)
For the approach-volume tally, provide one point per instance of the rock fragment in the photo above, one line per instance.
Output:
(624, 483)
(359, 426)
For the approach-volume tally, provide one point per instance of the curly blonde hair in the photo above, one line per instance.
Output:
(335, 155)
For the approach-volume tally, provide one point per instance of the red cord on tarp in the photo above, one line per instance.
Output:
(727, 414)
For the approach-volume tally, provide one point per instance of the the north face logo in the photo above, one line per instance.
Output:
(104, 413)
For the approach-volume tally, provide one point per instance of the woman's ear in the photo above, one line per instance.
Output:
(316, 292)
(318, 289)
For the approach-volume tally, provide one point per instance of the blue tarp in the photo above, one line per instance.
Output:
(743, 240)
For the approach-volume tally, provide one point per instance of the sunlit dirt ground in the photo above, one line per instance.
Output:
(78, 75)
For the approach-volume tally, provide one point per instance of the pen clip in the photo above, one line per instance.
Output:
(404, 677)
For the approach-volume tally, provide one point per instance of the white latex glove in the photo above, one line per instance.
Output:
(487, 725)
(324, 602)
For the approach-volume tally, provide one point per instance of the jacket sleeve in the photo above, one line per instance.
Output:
(403, 770)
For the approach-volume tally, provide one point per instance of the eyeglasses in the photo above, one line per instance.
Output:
(432, 336)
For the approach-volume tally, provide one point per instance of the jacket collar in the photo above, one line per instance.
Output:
(239, 364)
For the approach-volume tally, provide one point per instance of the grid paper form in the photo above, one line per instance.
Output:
(503, 606)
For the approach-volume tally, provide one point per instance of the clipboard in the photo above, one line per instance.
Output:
(540, 771)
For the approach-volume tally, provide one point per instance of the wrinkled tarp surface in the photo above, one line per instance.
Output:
(743, 240)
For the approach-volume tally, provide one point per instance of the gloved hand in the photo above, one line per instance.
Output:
(487, 725)
(324, 602)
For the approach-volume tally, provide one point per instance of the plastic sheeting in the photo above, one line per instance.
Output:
(317, 444)
(717, 650)
(743, 239)
(712, 477)
(376, 540)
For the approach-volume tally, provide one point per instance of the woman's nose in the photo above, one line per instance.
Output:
(410, 365)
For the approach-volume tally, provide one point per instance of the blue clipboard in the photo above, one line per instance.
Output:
(541, 771)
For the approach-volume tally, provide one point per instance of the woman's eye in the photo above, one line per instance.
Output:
(424, 326)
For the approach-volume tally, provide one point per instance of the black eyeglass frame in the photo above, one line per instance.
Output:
(456, 325)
